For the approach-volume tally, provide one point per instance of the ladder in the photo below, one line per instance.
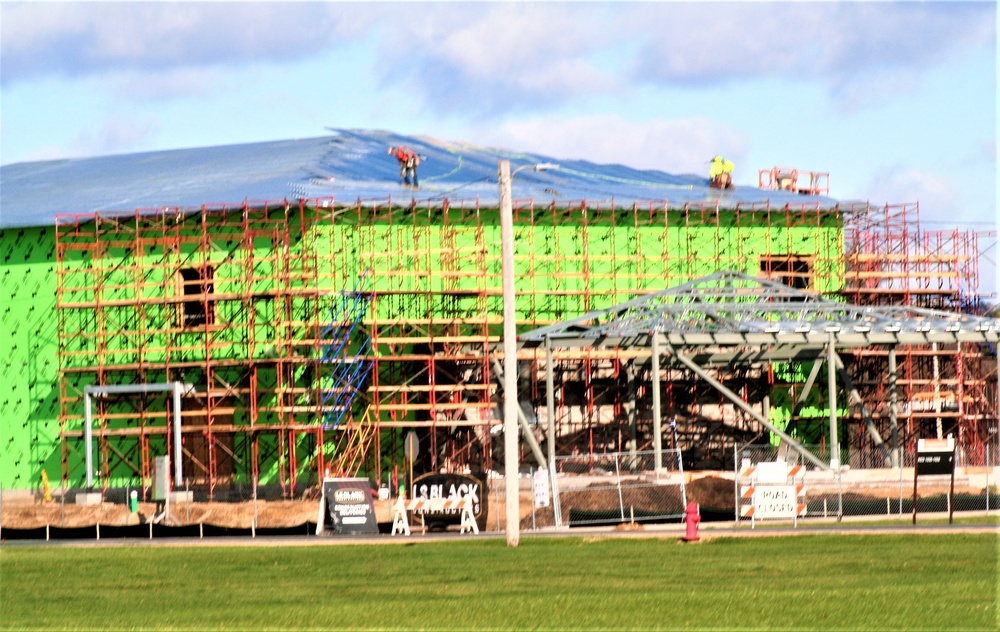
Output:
(345, 349)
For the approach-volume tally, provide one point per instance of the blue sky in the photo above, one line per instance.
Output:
(895, 100)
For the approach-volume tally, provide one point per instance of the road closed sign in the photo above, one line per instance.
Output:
(775, 501)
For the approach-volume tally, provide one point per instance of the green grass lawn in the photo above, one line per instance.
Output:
(866, 582)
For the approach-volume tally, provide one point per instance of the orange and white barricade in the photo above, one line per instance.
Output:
(400, 523)
(769, 490)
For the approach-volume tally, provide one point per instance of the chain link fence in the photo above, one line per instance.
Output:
(865, 487)
(587, 490)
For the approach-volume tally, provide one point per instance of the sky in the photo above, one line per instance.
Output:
(897, 101)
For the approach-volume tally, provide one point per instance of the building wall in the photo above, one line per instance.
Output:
(129, 287)
(29, 398)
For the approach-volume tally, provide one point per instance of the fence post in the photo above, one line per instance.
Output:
(988, 468)
(736, 484)
(621, 500)
(531, 477)
(840, 495)
(900, 489)
(496, 495)
(253, 525)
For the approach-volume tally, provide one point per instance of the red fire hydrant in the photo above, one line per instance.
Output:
(691, 518)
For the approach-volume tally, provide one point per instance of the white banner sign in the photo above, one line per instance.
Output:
(774, 501)
(540, 485)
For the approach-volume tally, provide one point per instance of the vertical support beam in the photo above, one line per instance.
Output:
(831, 382)
(936, 363)
(855, 396)
(657, 427)
(632, 410)
(88, 438)
(893, 422)
(742, 405)
(178, 457)
(509, 356)
(550, 405)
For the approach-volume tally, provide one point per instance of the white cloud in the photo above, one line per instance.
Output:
(78, 38)
(860, 51)
(168, 83)
(941, 197)
(117, 134)
(675, 146)
(483, 57)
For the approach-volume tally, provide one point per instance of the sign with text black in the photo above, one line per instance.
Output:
(453, 486)
(929, 463)
(935, 456)
(350, 505)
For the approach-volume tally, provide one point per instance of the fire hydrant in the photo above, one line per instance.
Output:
(691, 518)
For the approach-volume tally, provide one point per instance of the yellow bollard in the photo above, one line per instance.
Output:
(46, 488)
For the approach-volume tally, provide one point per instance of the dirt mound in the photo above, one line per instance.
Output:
(269, 514)
(711, 491)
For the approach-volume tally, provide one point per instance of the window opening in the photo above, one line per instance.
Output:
(795, 271)
(198, 282)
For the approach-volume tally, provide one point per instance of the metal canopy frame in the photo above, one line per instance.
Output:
(730, 318)
(89, 392)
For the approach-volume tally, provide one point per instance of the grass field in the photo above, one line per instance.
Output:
(861, 582)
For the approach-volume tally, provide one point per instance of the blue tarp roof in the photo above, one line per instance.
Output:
(348, 165)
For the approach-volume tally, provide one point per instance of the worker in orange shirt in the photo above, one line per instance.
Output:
(408, 163)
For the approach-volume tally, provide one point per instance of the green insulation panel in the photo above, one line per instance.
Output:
(29, 372)
(431, 265)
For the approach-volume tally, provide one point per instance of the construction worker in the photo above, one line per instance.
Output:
(720, 173)
(408, 163)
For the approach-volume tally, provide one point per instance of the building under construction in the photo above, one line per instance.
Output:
(275, 342)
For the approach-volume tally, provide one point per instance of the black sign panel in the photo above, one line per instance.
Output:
(935, 463)
(350, 505)
(455, 487)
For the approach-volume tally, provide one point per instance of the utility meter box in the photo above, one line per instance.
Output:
(161, 478)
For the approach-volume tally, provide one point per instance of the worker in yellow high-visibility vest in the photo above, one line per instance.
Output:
(720, 173)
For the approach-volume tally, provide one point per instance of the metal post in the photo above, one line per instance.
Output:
(178, 457)
(88, 438)
(510, 355)
(550, 405)
(632, 413)
(951, 489)
(657, 429)
(915, 482)
(621, 499)
(893, 401)
(937, 389)
(736, 484)
(831, 369)
(900, 491)
(840, 496)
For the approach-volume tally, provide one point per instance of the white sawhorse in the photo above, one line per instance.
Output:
(400, 524)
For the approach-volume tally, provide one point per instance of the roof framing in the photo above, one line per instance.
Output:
(736, 319)
(730, 308)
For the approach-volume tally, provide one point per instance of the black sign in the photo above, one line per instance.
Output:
(350, 506)
(935, 463)
(453, 487)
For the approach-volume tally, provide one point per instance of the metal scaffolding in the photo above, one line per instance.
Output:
(312, 336)
(945, 389)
